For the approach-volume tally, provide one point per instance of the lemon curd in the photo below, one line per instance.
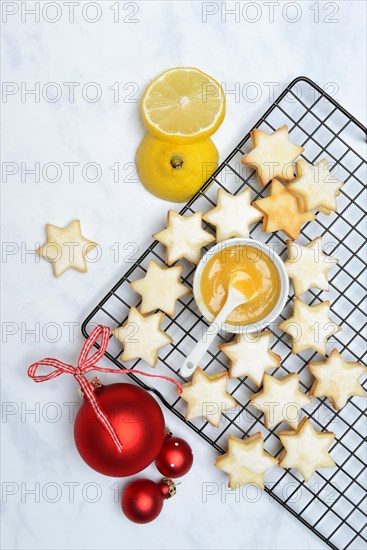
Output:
(252, 272)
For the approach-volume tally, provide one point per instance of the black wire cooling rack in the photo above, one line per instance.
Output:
(333, 503)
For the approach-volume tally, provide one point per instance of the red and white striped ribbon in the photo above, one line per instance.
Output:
(87, 363)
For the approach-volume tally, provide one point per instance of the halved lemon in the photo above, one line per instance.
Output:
(175, 171)
(183, 105)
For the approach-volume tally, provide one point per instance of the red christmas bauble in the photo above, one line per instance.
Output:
(142, 499)
(175, 458)
(139, 424)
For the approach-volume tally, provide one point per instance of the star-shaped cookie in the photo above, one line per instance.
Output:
(308, 266)
(282, 211)
(336, 379)
(246, 461)
(142, 337)
(233, 215)
(206, 396)
(272, 155)
(315, 187)
(310, 326)
(160, 288)
(66, 248)
(184, 237)
(306, 449)
(280, 400)
(250, 356)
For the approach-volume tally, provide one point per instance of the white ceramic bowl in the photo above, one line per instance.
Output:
(283, 283)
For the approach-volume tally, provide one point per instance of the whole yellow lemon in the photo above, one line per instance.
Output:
(172, 171)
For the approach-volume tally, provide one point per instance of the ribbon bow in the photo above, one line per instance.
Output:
(87, 363)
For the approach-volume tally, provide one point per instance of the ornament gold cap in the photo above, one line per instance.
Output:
(96, 383)
(171, 486)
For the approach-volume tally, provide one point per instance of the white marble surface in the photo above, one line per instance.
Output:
(38, 453)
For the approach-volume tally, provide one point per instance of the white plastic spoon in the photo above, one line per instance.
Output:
(234, 299)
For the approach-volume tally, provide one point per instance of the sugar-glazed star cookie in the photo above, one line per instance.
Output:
(315, 186)
(184, 237)
(336, 379)
(250, 356)
(206, 396)
(280, 400)
(282, 211)
(142, 337)
(306, 449)
(160, 288)
(233, 215)
(310, 326)
(66, 248)
(272, 155)
(308, 266)
(246, 461)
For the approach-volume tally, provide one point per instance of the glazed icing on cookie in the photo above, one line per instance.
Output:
(250, 356)
(246, 461)
(233, 215)
(206, 396)
(160, 288)
(280, 400)
(306, 449)
(308, 266)
(310, 326)
(337, 379)
(184, 237)
(272, 155)
(315, 187)
(142, 337)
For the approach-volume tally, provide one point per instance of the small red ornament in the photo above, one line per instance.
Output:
(175, 458)
(142, 499)
(138, 422)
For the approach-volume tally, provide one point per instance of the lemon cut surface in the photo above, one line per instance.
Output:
(183, 105)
